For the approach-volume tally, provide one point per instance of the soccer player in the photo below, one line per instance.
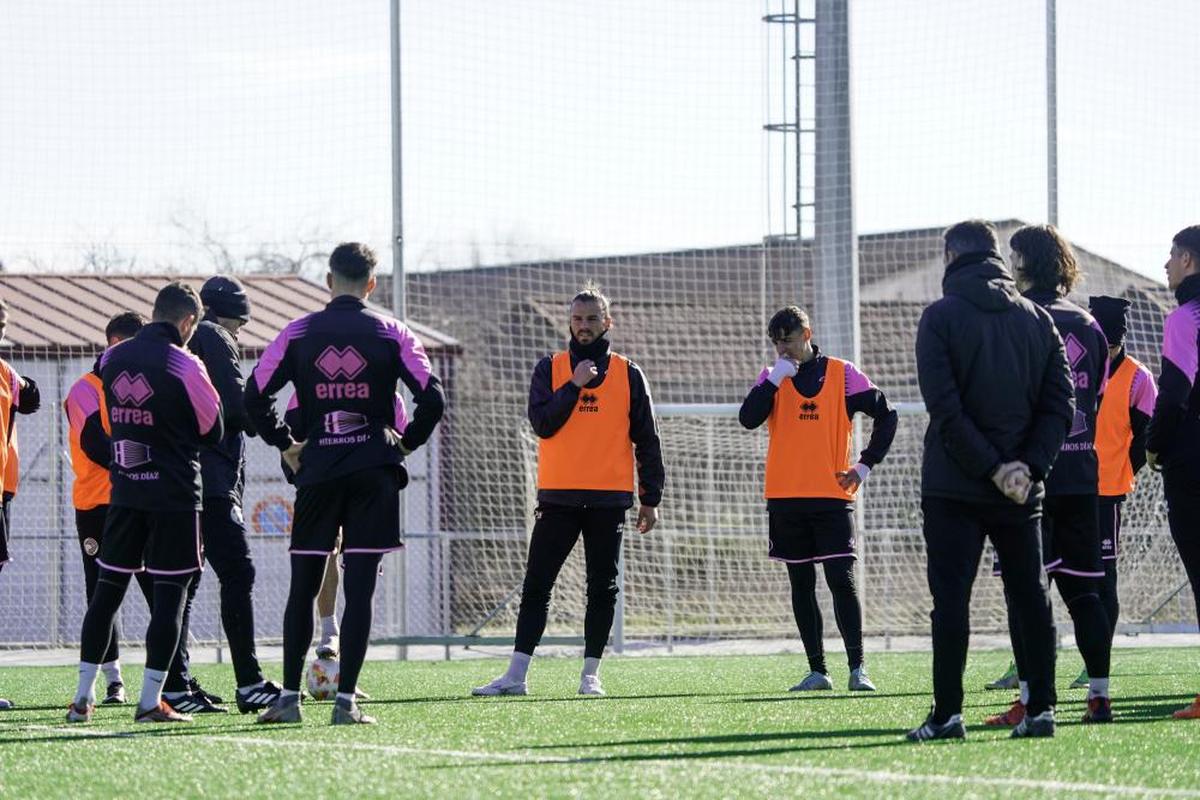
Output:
(91, 456)
(17, 395)
(1125, 412)
(347, 457)
(593, 412)
(995, 381)
(1174, 436)
(161, 409)
(808, 401)
(1046, 270)
(222, 525)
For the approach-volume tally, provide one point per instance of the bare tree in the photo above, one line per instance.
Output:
(104, 258)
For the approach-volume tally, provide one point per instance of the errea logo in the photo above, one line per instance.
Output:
(808, 411)
(588, 403)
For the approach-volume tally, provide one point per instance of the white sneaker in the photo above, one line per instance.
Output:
(501, 685)
(813, 682)
(860, 681)
(590, 685)
(329, 648)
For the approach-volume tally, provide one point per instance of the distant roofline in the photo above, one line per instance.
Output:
(902, 233)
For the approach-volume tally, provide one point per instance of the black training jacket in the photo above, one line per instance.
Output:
(344, 362)
(549, 410)
(1077, 468)
(161, 408)
(222, 466)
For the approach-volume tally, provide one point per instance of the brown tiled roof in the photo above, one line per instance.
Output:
(52, 313)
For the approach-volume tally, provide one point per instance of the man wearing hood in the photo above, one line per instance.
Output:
(1174, 436)
(994, 377)
(592, 410)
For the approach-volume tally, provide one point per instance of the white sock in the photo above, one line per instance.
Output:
(591, 666)
(259, 685)
(329, 627)
(85, 695)
(1024, 692)
(518, 667)
(112, 670)
(173, 695)
(346, 699)
(1097, 687)
(152, 681)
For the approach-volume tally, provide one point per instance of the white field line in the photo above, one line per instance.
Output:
(873, 776)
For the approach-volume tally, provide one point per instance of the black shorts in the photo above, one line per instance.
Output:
(89, 525)
(1071, 535)
(159, 542)
(1110, 528)
(800, 537)
(364, 505)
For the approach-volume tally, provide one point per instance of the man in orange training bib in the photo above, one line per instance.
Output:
(808, 401)
(592, 410)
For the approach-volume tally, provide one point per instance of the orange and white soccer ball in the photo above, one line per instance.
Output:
(323, 675)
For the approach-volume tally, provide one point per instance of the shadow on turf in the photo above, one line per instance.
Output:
(792, 697)
(460, 698)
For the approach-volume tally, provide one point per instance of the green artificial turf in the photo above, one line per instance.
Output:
(718, 726)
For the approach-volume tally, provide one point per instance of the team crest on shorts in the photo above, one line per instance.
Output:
(91, 546)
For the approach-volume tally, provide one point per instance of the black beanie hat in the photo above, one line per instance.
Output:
(225, 297)
(1113, 315)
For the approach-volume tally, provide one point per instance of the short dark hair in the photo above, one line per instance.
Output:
(787, 321)
(590, 293)
(1048, 262)
(1189, 239)
(353, 261)
(971, 236)
(175, 302)
(124, 325)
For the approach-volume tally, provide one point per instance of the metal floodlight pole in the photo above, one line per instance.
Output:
(1052, 112)
(398, 299)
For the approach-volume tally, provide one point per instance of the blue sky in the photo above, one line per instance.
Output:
(555, 127)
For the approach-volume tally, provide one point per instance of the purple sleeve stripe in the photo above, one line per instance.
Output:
(762, 376)
(412, 352)
(190, 371)
(401, 414)
(82, 401)
(856, 382)
(1143, 392)
(1180, 340)
(293, 403)
(273, 355)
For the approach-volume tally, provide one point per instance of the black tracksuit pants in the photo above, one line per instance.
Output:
(954, 533)
(226, 550)
(1183, 514)
(555, 533)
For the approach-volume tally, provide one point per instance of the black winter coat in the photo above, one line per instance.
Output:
(995, 381)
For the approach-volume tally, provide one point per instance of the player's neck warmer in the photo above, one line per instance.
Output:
(1188, 289)
(596, 350)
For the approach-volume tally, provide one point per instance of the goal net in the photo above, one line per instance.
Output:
(668, 151)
